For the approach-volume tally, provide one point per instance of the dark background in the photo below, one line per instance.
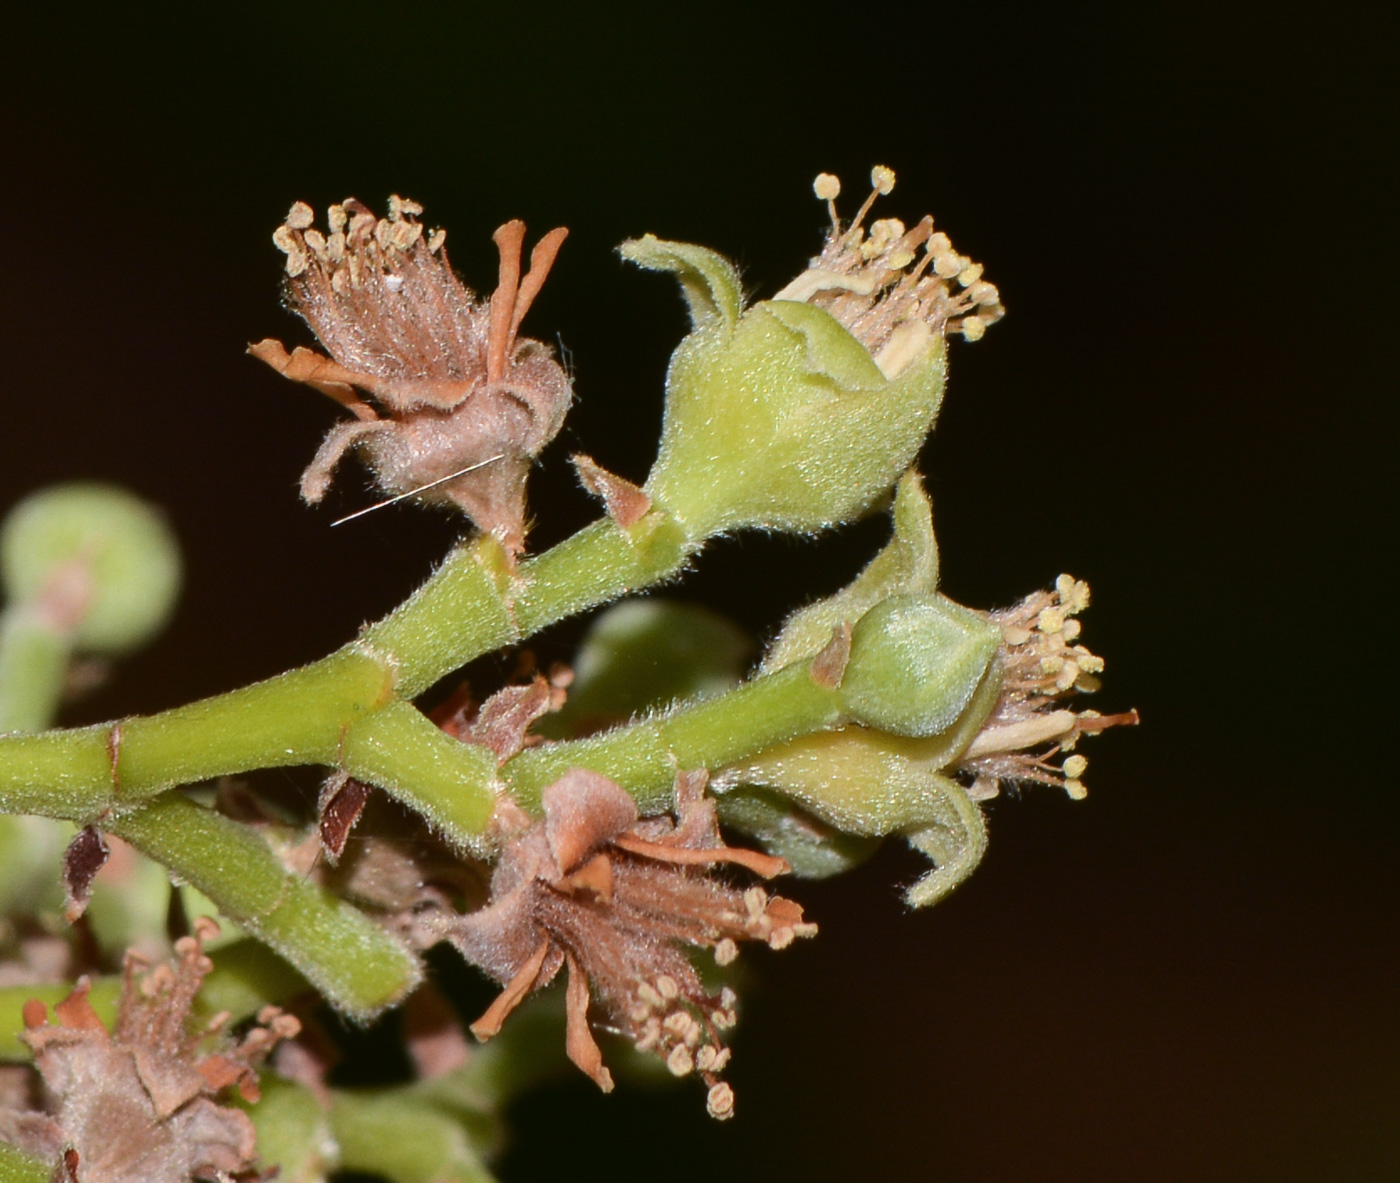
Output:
(1188, 209)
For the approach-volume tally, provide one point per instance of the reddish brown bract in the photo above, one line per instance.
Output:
(454, 383)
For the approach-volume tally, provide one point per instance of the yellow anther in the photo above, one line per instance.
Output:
(827, 186)
(1074, 767)
(882, 178)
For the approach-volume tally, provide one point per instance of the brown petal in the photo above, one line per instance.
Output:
(578, 1039)
(317, 371)
(512, 996)
(766, 865)
(582, 811)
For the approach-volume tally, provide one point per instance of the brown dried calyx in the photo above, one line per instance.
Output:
(616, 898)
(140, 1102)
(454, 384)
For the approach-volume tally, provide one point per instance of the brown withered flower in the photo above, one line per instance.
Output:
(141, 1101)
(462, 403)
(616, 899)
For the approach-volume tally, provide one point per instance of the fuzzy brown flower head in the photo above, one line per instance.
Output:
(1042, 666)
(894, 289)
(617, 899)
(453, 383)
(140, 1102)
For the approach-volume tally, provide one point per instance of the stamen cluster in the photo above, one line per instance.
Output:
(894, 289)
(1041, 666)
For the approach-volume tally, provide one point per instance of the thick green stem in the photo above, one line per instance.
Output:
(358, 966)
(470, 606)
(474, 604)
(645, 756)
(450, 783)
(295, 718)
(18, 1167)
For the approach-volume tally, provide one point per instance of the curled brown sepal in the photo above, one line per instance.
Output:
(617, 899)
(87, 854)
(142, 1101)
(625, 503)
(460, 403)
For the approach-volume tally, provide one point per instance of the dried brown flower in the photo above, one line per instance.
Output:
(617, 898)
(140, 1102)
(454, 383)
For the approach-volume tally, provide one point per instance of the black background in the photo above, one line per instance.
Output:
(1188, 209)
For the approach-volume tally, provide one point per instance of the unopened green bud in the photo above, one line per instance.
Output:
(916, 662)
(778, 417)
(115, 553)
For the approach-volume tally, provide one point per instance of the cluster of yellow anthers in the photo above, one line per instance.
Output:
(665, 1026)
(352, 228)
(1040, 666)
(894, 289)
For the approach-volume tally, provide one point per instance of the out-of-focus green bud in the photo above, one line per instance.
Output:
(777, 417)
(644, 654)
(866, 784)
(115, 546)
(916, 663)
(908, 563)
(85, 567)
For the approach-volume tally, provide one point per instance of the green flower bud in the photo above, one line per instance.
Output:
(916, 663)
(778, 417)
(115, 553)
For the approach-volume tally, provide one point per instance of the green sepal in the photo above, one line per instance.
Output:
(786, 423)
(867, 783)
(709, 282)
(908, 563)
(813, 848)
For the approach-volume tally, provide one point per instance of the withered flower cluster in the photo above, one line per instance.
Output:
(142, 1101)
(462, 402)
(618, 899)
(1042, 665)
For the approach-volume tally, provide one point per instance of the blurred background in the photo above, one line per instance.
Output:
(1188, 210)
